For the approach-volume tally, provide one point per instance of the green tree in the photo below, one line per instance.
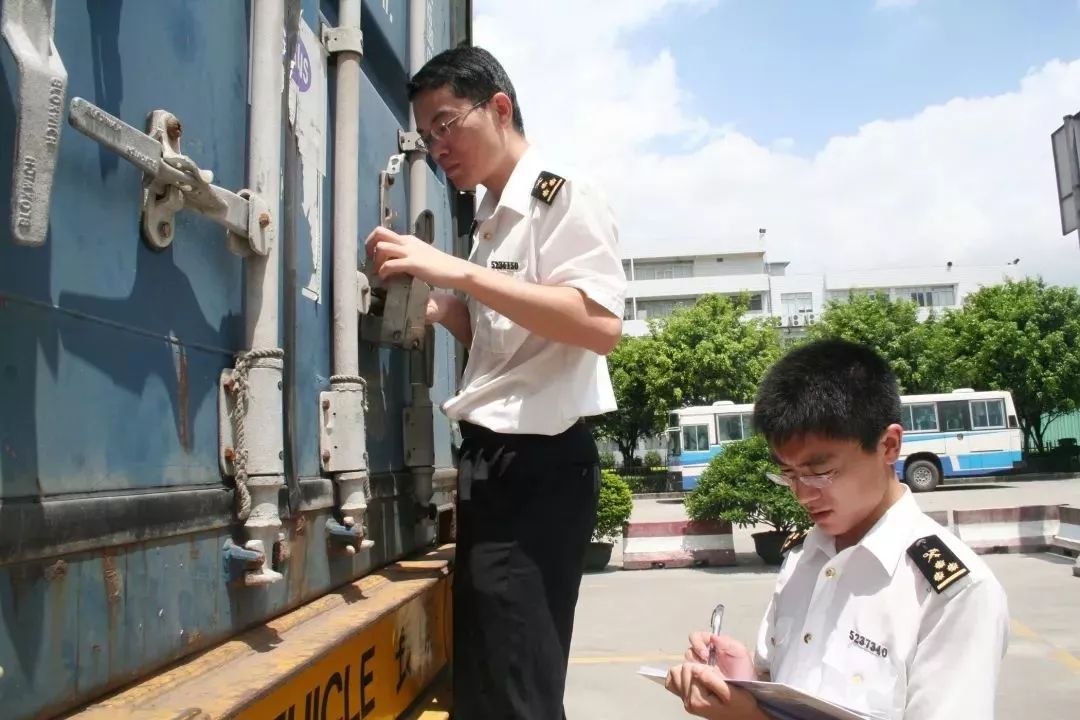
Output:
(1023, 337)
(640, 374)
(734, 488)
(713, 353)
(919, 352)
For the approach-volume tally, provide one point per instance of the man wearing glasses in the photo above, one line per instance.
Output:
(544, 293)
(878, 608)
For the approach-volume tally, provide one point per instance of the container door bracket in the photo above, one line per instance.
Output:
(28, 32)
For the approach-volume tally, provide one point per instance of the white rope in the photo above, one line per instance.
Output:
(242, 391)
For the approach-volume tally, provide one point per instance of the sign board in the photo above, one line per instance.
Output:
(1064, 141)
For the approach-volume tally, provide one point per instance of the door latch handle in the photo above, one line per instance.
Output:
(172, 181)
(28, 32)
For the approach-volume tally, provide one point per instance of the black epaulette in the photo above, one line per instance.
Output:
(937, 562)
(547, 186)
(793, 540)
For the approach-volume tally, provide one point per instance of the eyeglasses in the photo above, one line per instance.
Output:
(815, 481)
(442, 129)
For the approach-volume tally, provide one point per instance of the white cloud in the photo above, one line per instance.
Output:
(971, 181)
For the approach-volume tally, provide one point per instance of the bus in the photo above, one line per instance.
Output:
(962, 433)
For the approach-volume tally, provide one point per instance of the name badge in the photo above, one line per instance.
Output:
(505, 265)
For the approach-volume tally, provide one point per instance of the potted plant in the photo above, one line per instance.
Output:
(612, 512)
(734, 488)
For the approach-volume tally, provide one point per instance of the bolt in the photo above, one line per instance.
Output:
(230, 385)
(350, 550)
(173, 129)
(348, 521)
(264, 220)
(389, 179)
(326, 456)
(165, 229)
(325, 404)
(230, 454)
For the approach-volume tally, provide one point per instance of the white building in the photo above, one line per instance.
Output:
(660, 283)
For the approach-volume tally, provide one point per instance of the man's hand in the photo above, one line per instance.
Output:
(705, 694)
(732, 657)
(395, 254)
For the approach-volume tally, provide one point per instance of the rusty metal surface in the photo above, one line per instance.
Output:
(398, 618)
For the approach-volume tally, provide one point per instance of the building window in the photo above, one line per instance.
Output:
(755, 303)
(663, 270)
(928, 296)
(659, 309)
(797, 303)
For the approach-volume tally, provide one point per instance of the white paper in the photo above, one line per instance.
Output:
(781, 701)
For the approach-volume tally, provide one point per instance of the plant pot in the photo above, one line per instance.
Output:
(598, 555)
(768, 546)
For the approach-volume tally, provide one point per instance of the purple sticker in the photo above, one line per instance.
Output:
(301, 72)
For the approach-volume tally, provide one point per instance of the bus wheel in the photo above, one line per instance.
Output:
(922, 476)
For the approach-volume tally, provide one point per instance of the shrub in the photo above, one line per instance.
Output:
(616, 504)
(734, 488)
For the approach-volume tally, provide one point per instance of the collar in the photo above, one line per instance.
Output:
(891, 534)
(517, 195)
(886, 540)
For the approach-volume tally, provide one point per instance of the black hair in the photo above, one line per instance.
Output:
(470, 72)
(835, 388)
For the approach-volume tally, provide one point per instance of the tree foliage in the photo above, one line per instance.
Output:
(1023, 337)
(714, 354)
(734, 488)
(918, 352)
(640, 374)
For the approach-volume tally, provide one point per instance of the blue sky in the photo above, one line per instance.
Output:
(809, 70)
(862, 133)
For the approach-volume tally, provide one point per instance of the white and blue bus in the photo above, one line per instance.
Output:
(946, 435)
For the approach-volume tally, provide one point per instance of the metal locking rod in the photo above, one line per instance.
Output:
(28, 32)
(173, 181)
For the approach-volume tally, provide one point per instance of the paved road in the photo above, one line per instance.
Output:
(627, 619)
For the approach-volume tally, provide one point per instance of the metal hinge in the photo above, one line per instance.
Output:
(172, 181)
(28, 32)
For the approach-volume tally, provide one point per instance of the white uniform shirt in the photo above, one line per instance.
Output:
(865, 627)
(515, 381)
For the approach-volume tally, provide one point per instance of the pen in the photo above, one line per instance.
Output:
(715, 622)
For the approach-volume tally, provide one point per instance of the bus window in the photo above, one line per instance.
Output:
(955, 415)
(919, 418)
(987, 413)
(673, 420)
(695, 437)
(674, 446)
(728, 428)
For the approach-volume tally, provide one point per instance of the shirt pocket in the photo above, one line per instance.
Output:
(861, 673)
(496, 333)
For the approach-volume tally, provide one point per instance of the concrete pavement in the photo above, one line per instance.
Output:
(627, 619)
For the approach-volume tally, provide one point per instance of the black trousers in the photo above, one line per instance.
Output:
(526, 511)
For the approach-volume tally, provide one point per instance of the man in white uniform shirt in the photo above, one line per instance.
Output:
(878, 608)
(544, 292)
